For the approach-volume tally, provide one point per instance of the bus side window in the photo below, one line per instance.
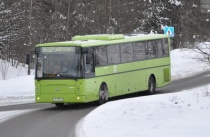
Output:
(89, 60)
(160, 48)
(150, 50)
(165, 47)
(155, 48)
(139, 51)
(113, 52)
(101, 56)
(126, 52)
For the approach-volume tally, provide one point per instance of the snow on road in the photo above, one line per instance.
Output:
(5, 115)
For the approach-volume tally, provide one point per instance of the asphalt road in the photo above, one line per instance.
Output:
(187, 83)
(48, 121)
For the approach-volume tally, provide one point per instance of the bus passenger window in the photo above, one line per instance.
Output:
(160, 48)
(88, 64)
(126, 52)
(151, 49)
(139, 51)
(155, 48)
(89, 60)
(101, 56)
(165, 47)
(113, 52)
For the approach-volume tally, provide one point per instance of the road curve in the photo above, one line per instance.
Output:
(187, 83)
(48, 121)
(44, 120)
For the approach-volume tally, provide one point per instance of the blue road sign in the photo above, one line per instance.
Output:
(169, 31)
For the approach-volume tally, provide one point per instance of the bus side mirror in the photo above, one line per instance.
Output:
(28, 58)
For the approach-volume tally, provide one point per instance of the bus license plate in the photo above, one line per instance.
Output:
(58, 99)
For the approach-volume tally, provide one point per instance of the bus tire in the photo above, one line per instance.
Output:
(59, 104)
(103, 94)
(151, 85)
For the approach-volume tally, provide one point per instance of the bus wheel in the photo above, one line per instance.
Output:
(151, 85)
(103, 94)
(59, 104)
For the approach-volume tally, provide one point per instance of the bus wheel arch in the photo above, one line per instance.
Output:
(103, 93)
(151, 85)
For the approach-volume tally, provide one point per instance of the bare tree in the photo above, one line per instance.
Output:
(4, 67)
(25, 23)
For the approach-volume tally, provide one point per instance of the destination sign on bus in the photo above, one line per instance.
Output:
(57, 49)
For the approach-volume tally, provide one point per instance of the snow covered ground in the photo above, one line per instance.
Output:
(180, 114)
(18, 86)
(183, 114)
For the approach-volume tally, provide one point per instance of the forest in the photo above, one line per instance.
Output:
(25, 23)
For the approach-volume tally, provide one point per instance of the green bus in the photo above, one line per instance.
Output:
(97, 67)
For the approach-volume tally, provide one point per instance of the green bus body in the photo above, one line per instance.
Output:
(120, 78)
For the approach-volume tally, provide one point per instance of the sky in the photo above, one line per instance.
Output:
(180, 114)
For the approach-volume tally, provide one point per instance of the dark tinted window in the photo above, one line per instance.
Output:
(139, 50)
(113, 52)
(126, 52)
(165, 47)
(160, 48)
(151, 49)
(101, 56)
(89, 60)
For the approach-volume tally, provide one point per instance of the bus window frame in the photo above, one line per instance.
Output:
(84, 58)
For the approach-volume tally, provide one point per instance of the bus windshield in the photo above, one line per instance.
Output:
(58, 62)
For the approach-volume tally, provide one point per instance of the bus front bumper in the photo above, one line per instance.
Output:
(61, 98)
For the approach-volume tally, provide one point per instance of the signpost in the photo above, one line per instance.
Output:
(169, 31)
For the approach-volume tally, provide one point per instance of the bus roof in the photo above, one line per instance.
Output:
(104, 39)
